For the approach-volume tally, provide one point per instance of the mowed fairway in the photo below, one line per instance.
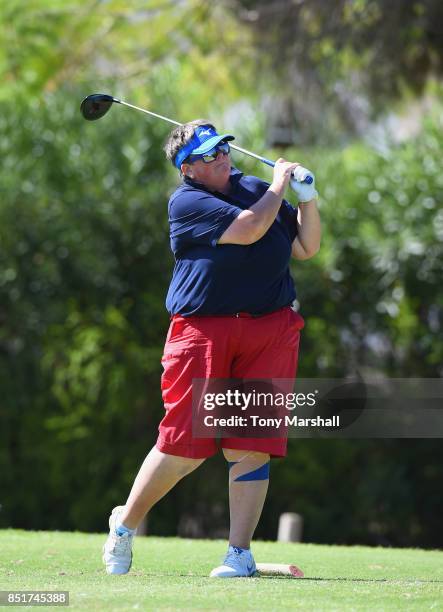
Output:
(171, 574)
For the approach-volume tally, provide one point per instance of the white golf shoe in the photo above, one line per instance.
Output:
(238, 563)
(117, 551)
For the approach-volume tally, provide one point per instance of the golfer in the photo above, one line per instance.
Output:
(230, 303)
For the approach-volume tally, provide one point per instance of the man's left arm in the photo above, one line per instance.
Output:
(307, 242)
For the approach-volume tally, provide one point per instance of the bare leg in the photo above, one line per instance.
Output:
(157, 475)
(246, 498)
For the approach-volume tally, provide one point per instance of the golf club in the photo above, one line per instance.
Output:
(96, 106)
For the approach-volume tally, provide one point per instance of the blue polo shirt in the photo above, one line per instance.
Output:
(211, 278)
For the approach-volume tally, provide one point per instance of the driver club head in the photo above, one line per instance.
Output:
(96, 105)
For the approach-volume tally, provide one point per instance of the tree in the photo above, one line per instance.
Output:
(173, 52)
(337, 63)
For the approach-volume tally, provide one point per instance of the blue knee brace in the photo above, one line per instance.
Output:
(261, 473)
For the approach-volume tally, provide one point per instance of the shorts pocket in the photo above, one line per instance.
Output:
(290, 327)
(180, 367)
(297, 319)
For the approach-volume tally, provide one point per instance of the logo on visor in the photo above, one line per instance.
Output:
(207, 132)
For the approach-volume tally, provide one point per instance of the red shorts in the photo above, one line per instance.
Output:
(222, 347)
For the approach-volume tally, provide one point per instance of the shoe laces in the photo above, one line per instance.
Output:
(122, 543)
(233, 557)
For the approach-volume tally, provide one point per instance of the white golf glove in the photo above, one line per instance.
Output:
(304, 192)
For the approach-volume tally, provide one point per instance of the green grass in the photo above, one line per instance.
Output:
(171, 574)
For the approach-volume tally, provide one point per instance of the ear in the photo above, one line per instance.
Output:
(186, 170)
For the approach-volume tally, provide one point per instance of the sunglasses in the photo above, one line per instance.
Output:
(211, 155)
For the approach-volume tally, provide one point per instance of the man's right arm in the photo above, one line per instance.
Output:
(253, 223)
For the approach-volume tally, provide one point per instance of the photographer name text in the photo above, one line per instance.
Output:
(258, 421)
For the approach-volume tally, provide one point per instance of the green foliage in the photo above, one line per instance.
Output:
(85, 265)
(378, 492)
(337, 64)
(373, 294)
(173, 54)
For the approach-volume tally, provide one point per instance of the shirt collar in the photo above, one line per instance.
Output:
(234, 179)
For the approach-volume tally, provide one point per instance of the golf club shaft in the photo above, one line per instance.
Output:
(264, 160)
(143, 110)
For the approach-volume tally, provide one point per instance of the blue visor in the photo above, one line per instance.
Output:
(203, 140)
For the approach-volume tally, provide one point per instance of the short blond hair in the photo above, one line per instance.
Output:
(181, 135)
